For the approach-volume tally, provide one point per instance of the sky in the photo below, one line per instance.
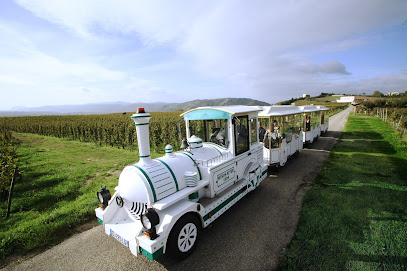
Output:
(91, 51)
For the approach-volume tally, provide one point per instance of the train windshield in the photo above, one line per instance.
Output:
(214, 131)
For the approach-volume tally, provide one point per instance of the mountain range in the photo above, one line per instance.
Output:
(120, 107)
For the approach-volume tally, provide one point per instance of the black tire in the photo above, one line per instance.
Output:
(183, 237)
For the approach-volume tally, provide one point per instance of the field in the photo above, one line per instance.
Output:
(355, 217)
(58, 189)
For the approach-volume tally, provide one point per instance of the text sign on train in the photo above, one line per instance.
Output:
(225, 176)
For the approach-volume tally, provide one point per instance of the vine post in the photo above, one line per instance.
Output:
(10, 194)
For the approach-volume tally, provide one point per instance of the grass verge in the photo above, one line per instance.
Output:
(354, 217)
(58, 190)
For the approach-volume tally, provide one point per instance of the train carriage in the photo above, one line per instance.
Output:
(311, 123)
(283, 136)
(160, 205)
(324, 119)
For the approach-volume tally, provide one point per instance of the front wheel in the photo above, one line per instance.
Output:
(184, 236)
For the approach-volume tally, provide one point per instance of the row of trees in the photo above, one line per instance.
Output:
(393, 110)
(388, 103)
(8, 159)
(116, 130)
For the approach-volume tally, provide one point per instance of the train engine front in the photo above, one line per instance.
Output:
(134, 214)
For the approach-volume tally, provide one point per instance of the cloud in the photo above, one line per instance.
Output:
(261, 47)
(335, 67)
(329, 67)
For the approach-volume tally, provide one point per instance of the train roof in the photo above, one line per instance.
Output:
(322, 107)
(308, 108)
(218, 112)
(278, 110)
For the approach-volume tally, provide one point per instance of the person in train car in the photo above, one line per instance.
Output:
(262, 132)
(308, 123)
(276, 128)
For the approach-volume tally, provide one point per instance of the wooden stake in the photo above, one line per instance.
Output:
(10, 194)
(399, 121)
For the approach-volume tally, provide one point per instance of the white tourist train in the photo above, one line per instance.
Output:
(160, 205)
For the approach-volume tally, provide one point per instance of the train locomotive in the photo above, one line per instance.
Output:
(160, 205)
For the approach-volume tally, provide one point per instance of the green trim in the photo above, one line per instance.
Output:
(194, 195)
(197, 147)
(140, 124)
(153, 256)
(198, 142)
(223, 204)
(149, 181)
(264, 172)
(200, 176)
(100, 221)
(172, 173)
(166, 190)
(146, 116)
(144, 156)
(168, 151)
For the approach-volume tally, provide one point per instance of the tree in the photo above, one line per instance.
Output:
(378, 94)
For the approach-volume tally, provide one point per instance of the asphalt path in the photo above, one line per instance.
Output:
(251, 235)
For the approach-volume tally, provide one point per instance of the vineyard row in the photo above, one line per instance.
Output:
(116, 130)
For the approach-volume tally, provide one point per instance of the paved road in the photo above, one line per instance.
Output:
(249, 236)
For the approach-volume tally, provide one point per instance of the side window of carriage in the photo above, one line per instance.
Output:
(241, 134)
(253, 130)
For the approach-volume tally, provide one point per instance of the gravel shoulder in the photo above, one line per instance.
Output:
(251, 235)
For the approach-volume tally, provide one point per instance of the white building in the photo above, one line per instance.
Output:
(346, 99)
(393, 93)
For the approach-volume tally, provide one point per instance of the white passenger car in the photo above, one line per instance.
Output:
(312, 121)
(324, 119)
(315, 122)
(283, 136)
(160, 205)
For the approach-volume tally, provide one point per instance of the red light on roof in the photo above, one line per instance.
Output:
(141, 110)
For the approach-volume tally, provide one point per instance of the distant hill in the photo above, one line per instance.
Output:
(121, 107)
(211, 102)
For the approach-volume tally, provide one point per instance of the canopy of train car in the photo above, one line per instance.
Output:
(322, 108)
(217, 112)
(278, 110)
(308, 108)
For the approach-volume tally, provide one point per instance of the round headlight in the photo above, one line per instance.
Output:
(100, 197)
(146, 222)
(104, 196)
(150, 219)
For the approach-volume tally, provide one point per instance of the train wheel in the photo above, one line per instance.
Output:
(183, 238)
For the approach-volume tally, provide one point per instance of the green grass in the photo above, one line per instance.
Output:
(57, 191)
(355, 215)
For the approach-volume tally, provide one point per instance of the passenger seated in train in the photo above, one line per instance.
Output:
(308, 123)
(262, 132)
(241, 134)
(275, 139)
(288, 134)
(276, 128)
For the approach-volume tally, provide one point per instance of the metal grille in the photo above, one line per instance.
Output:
(136, 210)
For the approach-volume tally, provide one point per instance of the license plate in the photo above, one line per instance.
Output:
(119, 238)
